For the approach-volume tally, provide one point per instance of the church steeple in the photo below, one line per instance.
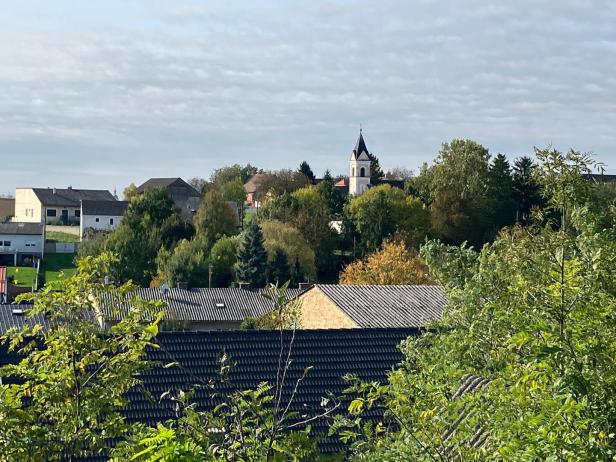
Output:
(359, 167)
(360, 148)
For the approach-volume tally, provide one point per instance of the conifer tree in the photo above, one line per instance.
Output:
(252, 258)
(278, 271)
(296, 275)
(305, 170)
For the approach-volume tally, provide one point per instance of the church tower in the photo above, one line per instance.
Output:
(359, 164)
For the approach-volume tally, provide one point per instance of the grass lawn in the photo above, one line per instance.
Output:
(22, 275)
(61, 237)
(55, 263)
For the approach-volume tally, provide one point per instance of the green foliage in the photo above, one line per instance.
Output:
(233, 191)
(187, 262)
(214, 219)
(274, 184)
(224, 258)
(527, 190)
(382, 212)
(231, 173)
(150, 222)
(376, 172)
(278, 270)
(535, 320)
(501, 193)
(63, 399)
(334, 197)
(252, 257)
(305, 170)
(284, 237)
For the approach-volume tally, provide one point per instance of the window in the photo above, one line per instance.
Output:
(362, 172)
(51, 212)
(96, 219)
(353, 171)
(6, 243)
(30, 244)
(77, 213)
(111, 221)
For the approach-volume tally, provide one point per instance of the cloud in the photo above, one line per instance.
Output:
(185, 87)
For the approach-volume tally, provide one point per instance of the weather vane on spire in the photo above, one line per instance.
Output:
(360, 127)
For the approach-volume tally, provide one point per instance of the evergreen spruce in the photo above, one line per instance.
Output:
(252, 258)
(501, 192)
(305, 170)
(376, 172)
(527, 190)
(278, 271)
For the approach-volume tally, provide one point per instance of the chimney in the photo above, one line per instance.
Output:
(183, 285)
(304, 286)
(54, 190)
(244, 285)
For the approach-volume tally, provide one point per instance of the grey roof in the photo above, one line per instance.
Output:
(166, 183)
(104, 208)
(30, 229)
(198, 304)
(388, 306)
(14, 316)
(70, 197)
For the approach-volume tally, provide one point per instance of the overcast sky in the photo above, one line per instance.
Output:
(101, 93)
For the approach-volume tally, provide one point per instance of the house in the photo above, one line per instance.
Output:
(21, 244)
(101, 215)
(54, 206)
(196, 308)
(328, 306)
(14, 316)
(185, 197)
(251, 187)
(7, 208)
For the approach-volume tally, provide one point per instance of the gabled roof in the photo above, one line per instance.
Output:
(103, 208)
(360, 152)
(199, 304)
(27, 229)
(331, 353)
(388, 306)
(253, 182)
(167, 183)
(70, 197)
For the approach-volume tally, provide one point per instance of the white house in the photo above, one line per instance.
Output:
(101, 215)
(21, 243)
(54, 205)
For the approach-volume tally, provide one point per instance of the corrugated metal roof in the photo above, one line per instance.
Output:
(199, 304)
(30, 229)
(16, 316)
(388, 306)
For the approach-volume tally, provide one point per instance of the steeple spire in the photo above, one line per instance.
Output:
(360, 146)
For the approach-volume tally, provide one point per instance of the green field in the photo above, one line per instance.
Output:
(61, 237)
(56, 263)
(22, 275)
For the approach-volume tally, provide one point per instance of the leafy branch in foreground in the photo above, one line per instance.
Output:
(62, 400)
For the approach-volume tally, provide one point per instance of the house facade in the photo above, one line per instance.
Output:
(101, 215)
(21, 243)
(54, 206)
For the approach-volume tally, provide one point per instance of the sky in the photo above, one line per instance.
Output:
(102, 93)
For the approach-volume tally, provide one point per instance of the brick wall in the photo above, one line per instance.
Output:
(319, 312)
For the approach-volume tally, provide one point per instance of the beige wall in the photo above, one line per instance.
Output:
(319, 312)
(27, 206)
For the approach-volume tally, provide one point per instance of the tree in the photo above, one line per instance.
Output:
(214, 219)
(376, 172)
(383, 211)
(278, 271)
(130, 192)
(63, 399)
(527, 191)
(282, 236)
(223, 258)
(233, 191)
(233, 172)
(305, 170)
(459, 182)
(393, 264)
(252, 258)
(501, 192)
(399, 173)
(534, 324)
(150, 222)
(274, 184)
(334, 197)
(187, 262)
